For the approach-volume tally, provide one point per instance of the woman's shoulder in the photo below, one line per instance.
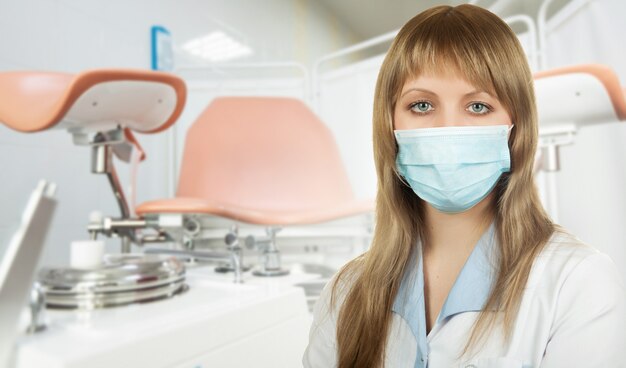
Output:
(566, 257)
(565, 245)
(582, 298)
(565, 250)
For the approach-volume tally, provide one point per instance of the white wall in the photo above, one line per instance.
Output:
(345, 103)
(73, 35)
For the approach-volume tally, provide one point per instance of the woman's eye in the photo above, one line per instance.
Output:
(421, 107)
(479, 108)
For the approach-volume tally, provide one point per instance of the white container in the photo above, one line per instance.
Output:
(86, 254)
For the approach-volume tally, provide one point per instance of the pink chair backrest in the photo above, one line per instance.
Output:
(264, 153)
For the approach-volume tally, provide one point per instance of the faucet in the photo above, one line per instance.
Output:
(233, 256)
(270, 256)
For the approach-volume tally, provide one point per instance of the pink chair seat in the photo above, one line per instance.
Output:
(254, 215)
(604, 74)
(261, 160)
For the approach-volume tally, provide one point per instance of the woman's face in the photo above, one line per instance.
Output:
(445, 100)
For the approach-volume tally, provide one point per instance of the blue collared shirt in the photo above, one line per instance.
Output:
(469, 292)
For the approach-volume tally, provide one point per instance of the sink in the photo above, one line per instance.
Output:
(325, 272)
(313, 288)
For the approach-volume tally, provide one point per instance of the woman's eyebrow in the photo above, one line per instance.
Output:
(417, 89)
(477, 92)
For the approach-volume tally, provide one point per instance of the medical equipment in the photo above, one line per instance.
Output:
(202, 318)
(588, 94)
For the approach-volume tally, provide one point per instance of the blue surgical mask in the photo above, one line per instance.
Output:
(453, 168)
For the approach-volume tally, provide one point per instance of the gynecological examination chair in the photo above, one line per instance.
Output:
(267, 161)
(570, 98)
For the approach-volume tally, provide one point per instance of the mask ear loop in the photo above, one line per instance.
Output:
(508, 132)
(397, 173)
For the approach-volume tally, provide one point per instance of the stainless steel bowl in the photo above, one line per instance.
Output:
(313, 288)
(122, 279)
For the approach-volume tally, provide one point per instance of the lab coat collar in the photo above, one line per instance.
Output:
(469, 292)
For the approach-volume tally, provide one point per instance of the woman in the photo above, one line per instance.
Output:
(465, 268)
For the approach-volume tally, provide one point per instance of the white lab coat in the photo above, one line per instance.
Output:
(572, 314)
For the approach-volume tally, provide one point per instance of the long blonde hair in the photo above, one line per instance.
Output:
(487, 53)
